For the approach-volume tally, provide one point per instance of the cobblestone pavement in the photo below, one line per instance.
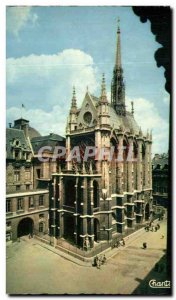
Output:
(32, 269)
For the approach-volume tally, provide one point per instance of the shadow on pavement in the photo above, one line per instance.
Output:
(156, 277)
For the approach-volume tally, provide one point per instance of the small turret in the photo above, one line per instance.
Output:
(103, 97)
(73, 102)
(73, 112)
(103, 105)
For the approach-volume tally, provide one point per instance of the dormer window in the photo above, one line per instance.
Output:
(16, 143)
(17, 154)
(24, 155)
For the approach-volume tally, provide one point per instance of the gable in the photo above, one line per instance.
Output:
(87, 116)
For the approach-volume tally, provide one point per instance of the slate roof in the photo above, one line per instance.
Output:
(15, 134)
(128, 121)
(51, 140)
(33, 132)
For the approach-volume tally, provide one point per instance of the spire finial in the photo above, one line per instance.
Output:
(73, 102)
(118, 25)
(132, 107)
(87, 89)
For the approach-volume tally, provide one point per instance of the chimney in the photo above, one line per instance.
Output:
(23, 125)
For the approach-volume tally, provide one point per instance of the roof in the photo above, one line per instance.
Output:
(51, 140)
(33, 133)
(128, 122)
(13, 134)
(94, 99)
(160, 161)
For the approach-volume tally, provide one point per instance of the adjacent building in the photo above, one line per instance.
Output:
(27, 182)
(160, 179)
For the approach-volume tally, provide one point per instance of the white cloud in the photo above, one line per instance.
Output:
(18, 16)
(47, 80)
(42, 121)
(148, 117)
(43, 83)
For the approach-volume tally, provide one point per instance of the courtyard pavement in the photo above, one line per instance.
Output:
(33, 269)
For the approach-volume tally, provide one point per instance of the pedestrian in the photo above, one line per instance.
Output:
(146, 227)
(145, 245)
(95, 261)
(104, 259)
(29, 236)
(118, 244)
(98, 263)
(123, 242)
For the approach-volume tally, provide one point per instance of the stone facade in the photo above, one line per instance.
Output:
(27, 180)
(98, 200)
(160, 180)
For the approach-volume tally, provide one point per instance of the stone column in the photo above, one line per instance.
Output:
(98, 147)
(60, 199)
(91, 214)
(76, 214)
(146, 165)
(83, 218)
(120, 163)
(129, 165)
(68, 149)
(150, 165)
(139, 165)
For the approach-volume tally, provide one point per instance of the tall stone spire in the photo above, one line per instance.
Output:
(117, 85)
(103, 97)
(118, 48)
(74, 101)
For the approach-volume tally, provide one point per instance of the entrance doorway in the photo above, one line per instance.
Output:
(147, 212)
(69, 227)
(25, 227)
(96, 230)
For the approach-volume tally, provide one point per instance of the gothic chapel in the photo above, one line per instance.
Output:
(99, 200)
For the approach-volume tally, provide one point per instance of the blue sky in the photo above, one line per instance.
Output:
(50, 49)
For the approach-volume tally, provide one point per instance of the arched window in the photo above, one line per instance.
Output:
(125, 150)
(135, 150)
(143, 151)
(95, 194)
